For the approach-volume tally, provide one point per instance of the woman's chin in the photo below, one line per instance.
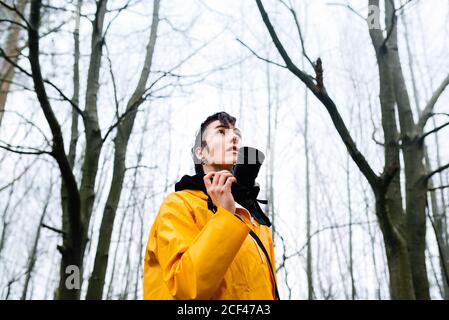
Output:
(228, 165)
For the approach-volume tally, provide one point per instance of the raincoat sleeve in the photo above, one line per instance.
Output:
(194, 261)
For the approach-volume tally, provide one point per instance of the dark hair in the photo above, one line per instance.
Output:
(225, 119)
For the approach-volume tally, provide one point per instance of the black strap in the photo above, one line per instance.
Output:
(213, 208)
(259, 242)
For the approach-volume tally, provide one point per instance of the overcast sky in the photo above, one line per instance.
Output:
(237, 82)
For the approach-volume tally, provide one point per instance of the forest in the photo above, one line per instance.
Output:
(100, 102)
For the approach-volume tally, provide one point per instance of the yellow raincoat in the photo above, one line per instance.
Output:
(193, 253)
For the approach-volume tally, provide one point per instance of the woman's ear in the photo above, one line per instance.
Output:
(198, 153)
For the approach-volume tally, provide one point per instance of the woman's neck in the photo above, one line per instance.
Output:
(209, 168)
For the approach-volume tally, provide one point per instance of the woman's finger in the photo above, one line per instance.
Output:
(223, 176)
(207, 178)
(216, 178)
(229, 182)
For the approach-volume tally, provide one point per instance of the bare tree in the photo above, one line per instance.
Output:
(33, 254)
(408, 277)
(438, 211)
(412, 145)
(124, 129)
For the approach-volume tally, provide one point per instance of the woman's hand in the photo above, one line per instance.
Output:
(220, 189)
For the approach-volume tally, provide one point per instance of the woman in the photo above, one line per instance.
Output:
(203, 244)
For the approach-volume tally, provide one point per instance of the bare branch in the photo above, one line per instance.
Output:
(15, 84)
(18, 177)
(439, 114)
(393, 20)
(373, 137)
(14, 8)
(348, 7)
(22, 150)
(290, 65)
(48, 6)
(52, 229)
(434, 130)
(426, 114)
(298, 28)
(319, 91)
(116, 16)
(61, 93)
(58, 151)
(14, 64)
(438, 188)
(440, 169)
(141, 167)
(14, 22)
(441, 251)
(259, 57)
(299, 252)
(65, 98)
(392, 23)
(134, 105)
(30, 123)
(114, 83)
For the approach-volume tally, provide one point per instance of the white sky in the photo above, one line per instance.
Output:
(333, 33)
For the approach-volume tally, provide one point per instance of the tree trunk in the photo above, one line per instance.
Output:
(94, 142)
(33, 253)
(74, 127)
(270, 153)
(413, 154)
(309, 269)
(437, 215)
(401, 282)
(124, 129)
(70, 250)
(441, 221)
(389, 202)
(386, 187)
(350, 213)
(6, 69)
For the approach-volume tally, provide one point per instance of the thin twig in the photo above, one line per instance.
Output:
(52, 229)
(348, 7)
(298, 28)
(434, 130)
(440, 169)
(259, 57)
(438, 188)
(15, 149)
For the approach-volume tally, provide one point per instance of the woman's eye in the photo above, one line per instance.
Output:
(221, 131)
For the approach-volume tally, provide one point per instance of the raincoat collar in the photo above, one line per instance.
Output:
(245, 196)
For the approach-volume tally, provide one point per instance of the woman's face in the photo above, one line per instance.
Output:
(223, 143)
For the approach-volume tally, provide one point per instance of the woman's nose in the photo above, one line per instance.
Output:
(234, 138)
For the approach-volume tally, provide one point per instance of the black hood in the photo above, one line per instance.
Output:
(245, 196)
(194, 182)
